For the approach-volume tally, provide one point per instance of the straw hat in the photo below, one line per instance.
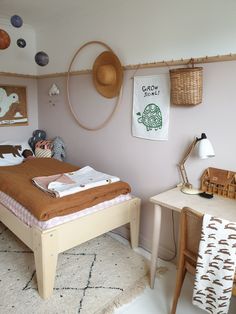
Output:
(107, 74)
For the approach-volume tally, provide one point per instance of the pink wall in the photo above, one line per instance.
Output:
(22, 132)
(149, 166)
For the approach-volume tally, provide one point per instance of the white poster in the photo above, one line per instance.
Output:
(151, 106)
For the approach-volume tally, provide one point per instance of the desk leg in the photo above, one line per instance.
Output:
(155, 243)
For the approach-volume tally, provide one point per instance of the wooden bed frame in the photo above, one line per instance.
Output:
(47, 244)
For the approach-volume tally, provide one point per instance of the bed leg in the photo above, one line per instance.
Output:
(45, 255)
(134, 223)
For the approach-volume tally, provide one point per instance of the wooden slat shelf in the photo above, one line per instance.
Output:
(158, 64)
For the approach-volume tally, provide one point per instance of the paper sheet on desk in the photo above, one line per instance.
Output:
(215, 265)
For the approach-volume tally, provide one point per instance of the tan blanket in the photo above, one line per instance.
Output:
(16, 182)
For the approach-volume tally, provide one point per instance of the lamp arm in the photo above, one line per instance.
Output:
(182, 162)
(184, 175)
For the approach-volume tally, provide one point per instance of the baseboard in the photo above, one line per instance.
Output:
(122, 235)
(164, 253)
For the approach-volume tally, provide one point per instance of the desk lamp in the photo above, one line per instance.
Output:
(205, 150)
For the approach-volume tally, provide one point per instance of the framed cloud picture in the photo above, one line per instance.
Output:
(13, 105)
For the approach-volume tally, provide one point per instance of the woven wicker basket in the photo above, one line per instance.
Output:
(186, 86)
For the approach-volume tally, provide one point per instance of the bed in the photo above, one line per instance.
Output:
(47, 243)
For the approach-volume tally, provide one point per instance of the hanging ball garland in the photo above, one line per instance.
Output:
(16, 21)
(21, 43)
(41, 58)
(5, 39)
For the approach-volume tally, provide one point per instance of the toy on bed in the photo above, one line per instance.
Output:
(27, 154)
(38, 135)
(58, 148)
(42, 147)
(11, 152)
(10, 149)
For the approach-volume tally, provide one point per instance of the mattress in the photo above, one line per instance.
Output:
(25, 216)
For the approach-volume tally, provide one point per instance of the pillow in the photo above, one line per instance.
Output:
(43, 149)
(43, 152)
(11, 152)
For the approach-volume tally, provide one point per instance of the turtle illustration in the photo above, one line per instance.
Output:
(151, 117)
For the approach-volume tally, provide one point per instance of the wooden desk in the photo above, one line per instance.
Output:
(175, 199)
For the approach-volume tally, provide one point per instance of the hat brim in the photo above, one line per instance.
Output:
(108, 58)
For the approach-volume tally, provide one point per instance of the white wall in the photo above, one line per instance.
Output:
(15, 59)
(138, 31)
(149, 166)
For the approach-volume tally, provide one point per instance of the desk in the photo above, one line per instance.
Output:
(174, 199)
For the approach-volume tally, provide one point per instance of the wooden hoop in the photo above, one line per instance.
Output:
(68, 92)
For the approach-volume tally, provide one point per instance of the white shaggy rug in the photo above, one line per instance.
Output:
(92, 278)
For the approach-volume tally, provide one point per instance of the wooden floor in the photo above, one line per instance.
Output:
(158, 300)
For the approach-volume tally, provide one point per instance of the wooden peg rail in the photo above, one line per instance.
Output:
(170, 63)
(158, 64)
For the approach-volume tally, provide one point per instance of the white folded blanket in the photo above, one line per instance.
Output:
(215, 265)
(69, 183)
